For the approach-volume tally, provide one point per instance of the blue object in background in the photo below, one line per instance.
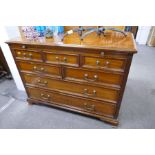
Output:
(57, 29)
(42, 29)
(60, 29)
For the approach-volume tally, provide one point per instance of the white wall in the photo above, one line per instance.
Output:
(142, 34)
(7, 33)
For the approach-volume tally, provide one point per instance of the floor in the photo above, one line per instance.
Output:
(137, 110)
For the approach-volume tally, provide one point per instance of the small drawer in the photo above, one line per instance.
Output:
(93, 106)
(28, 55)
(106, 94)
(105, 54)
(19, 46)
(104, 63)
(98, 77)
(24, 46)
(39, 68)
(64, 59)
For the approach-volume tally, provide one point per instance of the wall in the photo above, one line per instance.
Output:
(6, 34)
(142, 34)
(151, 39)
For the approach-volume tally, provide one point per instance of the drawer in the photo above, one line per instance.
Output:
(64, 59)
(39, 68)
(104, 54)
(26, 46)
(100, 93)
(98, 77)
(28, 55)
(97, 107)
(104, 63)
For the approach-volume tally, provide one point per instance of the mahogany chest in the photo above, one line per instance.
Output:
(86, 76)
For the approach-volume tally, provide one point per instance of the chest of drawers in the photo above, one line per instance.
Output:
(86, 77)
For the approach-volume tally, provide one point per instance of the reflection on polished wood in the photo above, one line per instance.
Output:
(110, 41)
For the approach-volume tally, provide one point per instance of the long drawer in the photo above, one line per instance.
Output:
(93, 106)
(106, 94)
(52, 70)
(98, 77)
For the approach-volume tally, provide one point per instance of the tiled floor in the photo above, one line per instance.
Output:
(137, 110)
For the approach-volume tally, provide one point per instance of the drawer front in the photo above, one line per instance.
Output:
(23, 46)
(104, 63)
(38, 68)
(28, 55)
(54, 58)
(103, 54)
(101, 108)
(92, 76)
(100, 93)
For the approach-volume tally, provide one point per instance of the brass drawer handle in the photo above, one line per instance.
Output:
(39, 81)
(23, 46)
(45, 98)
(85, 92)
(86, 78)
(42, 69)
(57, 58)
(107, 63)
(37, 69)
(30, 55)
(102, 54)
(19, 53)
(44, 83)
(97, 62)
(62, 60)
(95, 77)
(65, 59)
(89, 107)
(27, 56)
(24, 55)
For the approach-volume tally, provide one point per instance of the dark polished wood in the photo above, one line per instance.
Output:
(86, 76)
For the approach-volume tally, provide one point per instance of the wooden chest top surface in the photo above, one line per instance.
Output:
(111, 41)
